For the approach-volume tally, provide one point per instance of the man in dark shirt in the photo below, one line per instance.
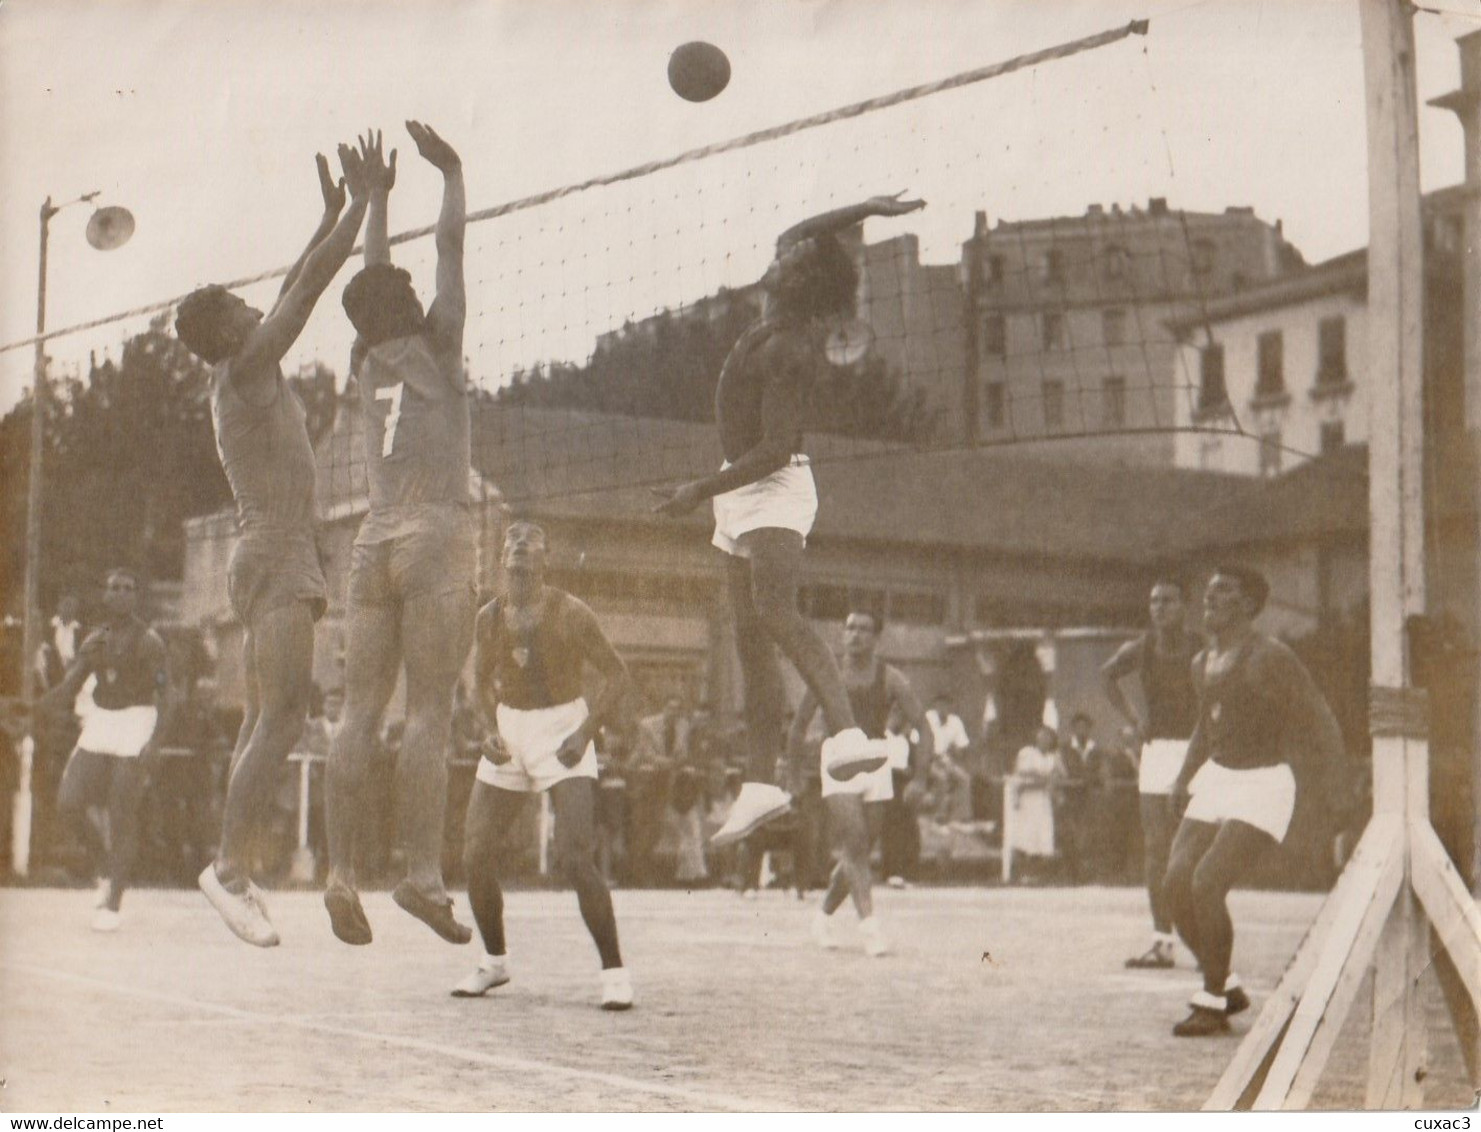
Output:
(765, 503)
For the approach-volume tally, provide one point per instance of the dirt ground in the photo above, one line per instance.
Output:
(997, 1000)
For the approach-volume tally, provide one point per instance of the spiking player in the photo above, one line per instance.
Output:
(765, 502)
(274, 581)
(411, 596)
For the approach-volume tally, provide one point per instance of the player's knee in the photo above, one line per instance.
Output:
(1207, 885)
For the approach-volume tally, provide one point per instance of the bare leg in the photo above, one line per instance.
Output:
(491, 814)
(764, 697)
(574, 802)
(848, 827)
(1189, 845)
(125, 797)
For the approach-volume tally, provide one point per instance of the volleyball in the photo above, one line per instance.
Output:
(698, 71)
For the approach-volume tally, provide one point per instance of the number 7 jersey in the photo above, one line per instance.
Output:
(417, 447)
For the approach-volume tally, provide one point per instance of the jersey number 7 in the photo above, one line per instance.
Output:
(391, 393)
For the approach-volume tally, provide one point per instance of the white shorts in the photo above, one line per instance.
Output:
(1162, 759)
(532, 738)
(898, 747)
(876, 786)
(788, 498)
(1264, 797)
(122, 732)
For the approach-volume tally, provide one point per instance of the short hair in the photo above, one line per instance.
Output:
(198, 323)
(371, 301)
(876, 618)
(1173, 581)
(822, 282)
(1252, 583)
(1078, 717)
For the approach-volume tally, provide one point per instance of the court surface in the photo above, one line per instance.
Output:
(998, 999)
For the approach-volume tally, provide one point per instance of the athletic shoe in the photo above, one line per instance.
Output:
(1157, 957)
(1236, 1001)
(617, 989)
(436, 914)
(1203, 1022)
(897, 882)
(485, 977)
(875, 944)
(103, 893)
(822, 931)
(106, 920)
(244, 912)
(851, 753)
(755, 805)
(346, 915)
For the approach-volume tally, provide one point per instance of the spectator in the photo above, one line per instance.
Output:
(664, 738)
(1028, 805)
(1072, 795)
(947, 727)
(1115, 828)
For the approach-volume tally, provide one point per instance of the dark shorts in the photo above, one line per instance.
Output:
(428, 554)
(269, 570)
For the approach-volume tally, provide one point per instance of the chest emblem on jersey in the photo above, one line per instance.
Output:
(521, 654)
(111, 675)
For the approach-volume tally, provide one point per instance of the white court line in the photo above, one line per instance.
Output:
(698, 1097)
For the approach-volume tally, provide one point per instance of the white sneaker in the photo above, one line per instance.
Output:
(875, 943)
(102, 900)
(822, 931)
(106, 920)
(485, 977)
(755, 805)
(897, 882)
(617, 989)
(851, 753)
(245, 914)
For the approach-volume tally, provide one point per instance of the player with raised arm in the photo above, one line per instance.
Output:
(1258, 709)
(534, 642)
(875, 690)
(1162, 661)
(274, 580)
(411, 597)
(765, 502)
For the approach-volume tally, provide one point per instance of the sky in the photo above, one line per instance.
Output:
(203, 119)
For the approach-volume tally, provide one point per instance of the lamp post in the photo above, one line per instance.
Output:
(108, 228)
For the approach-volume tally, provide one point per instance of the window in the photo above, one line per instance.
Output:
(1270, 452)
(997, 269)
(1113, 322)
(1334, 436)
(1271, 381)
(1204, 254)
(917, 608)
(995, 335)
(1053, 330)
(1331, 365)
(1118, 263)
(994, 404)
(1212, 392)
(1115, 403)
(1053, 404)
(1054, 266)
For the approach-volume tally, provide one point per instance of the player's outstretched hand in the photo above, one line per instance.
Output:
(495, 751)
(379, 173)
(431, 146)
(571, 750)
(894, 206)
(680, 501)
(333, 192)
(353, 164)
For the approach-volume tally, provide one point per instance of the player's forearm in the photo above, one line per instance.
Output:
(453, 219)
(326, 225)
(1117, 699)
(70, 684)
(1198, 753)
(767, 457)
(377, 239)
(325, 260)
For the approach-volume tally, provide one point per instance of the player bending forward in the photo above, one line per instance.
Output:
(531, 645)
(1258, 707)
(411, 595)
(274, 581)
(765, 502)
(875, 690)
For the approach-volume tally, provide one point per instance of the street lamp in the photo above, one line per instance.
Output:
(107, 228)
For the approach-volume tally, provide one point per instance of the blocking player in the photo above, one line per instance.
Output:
(274, 580)
(765, 502)
(1258, 707)
(533, 643)
(1162, 661)
(875, 690)
(121, 671)
(411, 597)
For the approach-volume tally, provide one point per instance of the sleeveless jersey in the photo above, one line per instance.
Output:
(1167, 682)
(871, 703)
(417, 446)
(740, 390)
(1241, 720)
(266, 454)
(131, 676)
(538, 669)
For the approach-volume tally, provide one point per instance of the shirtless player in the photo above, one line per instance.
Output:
(765, 502)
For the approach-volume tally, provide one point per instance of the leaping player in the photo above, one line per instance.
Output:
(765, 502)
(1257, 707)
(533, 644)
(274, 580)
(411, 597)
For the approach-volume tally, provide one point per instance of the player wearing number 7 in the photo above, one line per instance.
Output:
(411, 599)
